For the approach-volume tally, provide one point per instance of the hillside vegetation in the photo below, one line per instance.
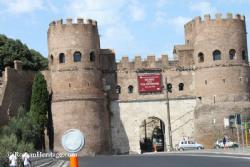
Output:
(11, 50)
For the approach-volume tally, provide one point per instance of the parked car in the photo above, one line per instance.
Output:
(229, 144)
(189, 145)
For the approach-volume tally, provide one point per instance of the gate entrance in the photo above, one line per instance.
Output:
(152, 131)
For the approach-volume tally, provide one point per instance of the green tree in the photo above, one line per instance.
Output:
(18, 136)
(39, 107)
(11, 50)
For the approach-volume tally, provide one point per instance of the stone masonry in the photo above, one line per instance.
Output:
(92, 92)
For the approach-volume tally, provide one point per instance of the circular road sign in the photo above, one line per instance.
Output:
(73, 140)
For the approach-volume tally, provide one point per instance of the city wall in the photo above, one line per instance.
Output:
(16, 91)
(128, 116)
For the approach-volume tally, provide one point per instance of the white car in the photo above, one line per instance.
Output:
(228, 144)
(189, 145)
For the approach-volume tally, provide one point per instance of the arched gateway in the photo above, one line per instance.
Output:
(152, 130)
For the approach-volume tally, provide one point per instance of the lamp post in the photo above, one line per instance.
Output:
(169, 88)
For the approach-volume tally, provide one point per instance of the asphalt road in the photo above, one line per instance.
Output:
(165, 160)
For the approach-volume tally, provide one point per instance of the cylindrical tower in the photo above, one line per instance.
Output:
(76, 83)
(220, 55)
(221, 73)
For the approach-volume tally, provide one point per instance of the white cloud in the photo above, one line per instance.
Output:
(160, 17)
(51, 6)
(160, 13)
(161, 3)
(105, 13)
(179, 22)
(22, 6)
(203, 7)
(111, 18)
(112, 34)
(236, 1)
(136, 11)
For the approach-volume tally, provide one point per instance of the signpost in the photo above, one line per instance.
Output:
(73, 141)
(149, 82)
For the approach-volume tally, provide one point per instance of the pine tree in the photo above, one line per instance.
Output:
(39, 107)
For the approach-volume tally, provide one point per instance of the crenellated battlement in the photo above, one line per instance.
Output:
(70, 21)
(218, 17)
(150, 62)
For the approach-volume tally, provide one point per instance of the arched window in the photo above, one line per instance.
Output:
(200, 57)
(77, 56)
(181, 86)
(92, 56)
(118, 89)
(130, 89)
(243, 55)
(232, 54)
(51, 59)
(61, 58)
(216, 55)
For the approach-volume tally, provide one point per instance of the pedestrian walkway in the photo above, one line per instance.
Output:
(238, 151)
(52, 162)
(230, 151)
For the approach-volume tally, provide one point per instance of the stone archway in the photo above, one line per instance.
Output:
(150, 128)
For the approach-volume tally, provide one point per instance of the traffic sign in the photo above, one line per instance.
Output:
(73, 140)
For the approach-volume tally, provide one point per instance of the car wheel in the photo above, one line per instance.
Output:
(181, 149)
(199, 148)
(217, 147)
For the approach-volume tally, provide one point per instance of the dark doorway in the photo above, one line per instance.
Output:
(152, 129)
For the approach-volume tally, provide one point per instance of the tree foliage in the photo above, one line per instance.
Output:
(18, 136)
(40, 105)
(11, 50)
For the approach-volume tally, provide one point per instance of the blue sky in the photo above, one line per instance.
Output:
(130, 27)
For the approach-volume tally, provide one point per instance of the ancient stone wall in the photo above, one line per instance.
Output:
(127, 73)
(128, 116)
(16, 89)
(222, 83)
(209, 121)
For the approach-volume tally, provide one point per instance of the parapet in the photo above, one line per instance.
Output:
(70, 21)
(218, 17)
(138, 62)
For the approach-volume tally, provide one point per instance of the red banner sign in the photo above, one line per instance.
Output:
(149, 83)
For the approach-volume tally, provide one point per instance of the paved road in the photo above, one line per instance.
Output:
(166, 160)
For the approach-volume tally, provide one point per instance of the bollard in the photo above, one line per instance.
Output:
(73, 141)
(73, 161)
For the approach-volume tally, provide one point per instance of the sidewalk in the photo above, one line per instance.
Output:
(236, 151)
(228, 151)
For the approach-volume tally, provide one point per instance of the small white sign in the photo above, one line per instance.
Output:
(226, 122)
(73, 140)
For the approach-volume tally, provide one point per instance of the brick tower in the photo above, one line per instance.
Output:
(221, 72)
(76, 84)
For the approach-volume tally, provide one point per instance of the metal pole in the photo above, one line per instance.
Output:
(242, 132)
(246, 134)
(168, 115)
(237, 130)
